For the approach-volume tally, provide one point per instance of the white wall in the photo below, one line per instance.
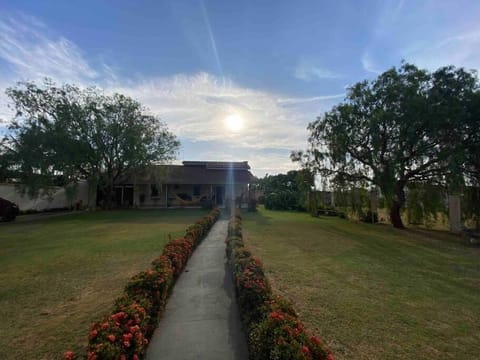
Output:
(57, 200)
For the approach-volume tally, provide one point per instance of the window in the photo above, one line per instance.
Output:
(153, 190)
(196, 190)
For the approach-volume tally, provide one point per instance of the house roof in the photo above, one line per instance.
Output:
(219, 165)
(196, 172)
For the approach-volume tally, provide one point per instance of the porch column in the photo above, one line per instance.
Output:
(454, 213)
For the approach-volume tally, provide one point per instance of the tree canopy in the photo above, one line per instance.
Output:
(62, 134)
(287, 191)
(407, 125)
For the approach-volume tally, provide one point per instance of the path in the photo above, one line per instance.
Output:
(201, 319)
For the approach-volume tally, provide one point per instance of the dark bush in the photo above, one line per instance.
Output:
(369, 217)
(282, 200)
(252, 204)
(206, 204)
(185, 196)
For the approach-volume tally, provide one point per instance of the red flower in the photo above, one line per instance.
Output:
(330, 357)
(92, 355)
(127, 337)
(126, 344)
(123, 357)
(118, 316)
(135, 357)
(305, 350)
(93, 334)
(111, 337)
(104, 326)
(69, 355)
(134, 329)
(277, 315)
(316, 340)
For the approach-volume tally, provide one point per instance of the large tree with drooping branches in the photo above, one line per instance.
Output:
(407, 125)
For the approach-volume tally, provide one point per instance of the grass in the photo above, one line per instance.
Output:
(58, 275)
(371, 291)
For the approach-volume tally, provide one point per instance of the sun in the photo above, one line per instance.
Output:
(234, 122)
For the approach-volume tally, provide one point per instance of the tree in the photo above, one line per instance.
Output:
(407, 125)
(61, 135)
(286, 191)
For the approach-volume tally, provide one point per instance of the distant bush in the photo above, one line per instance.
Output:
(273, 328)
(252, 204)
(206, 204)
(261, 199)
(282, 200)
(369, 217)
(185, 196)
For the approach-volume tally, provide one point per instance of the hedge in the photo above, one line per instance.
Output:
(125, 333)
(273, 329)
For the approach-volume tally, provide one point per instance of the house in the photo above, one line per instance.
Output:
(190, 184)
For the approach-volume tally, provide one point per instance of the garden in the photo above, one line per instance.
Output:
(370, 291)
(60, 275)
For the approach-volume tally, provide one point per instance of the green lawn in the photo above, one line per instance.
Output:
(371, 291)
(58, 275)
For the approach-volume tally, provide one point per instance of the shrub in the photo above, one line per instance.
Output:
(206, 204)
(370, 217)
(274, 331)
(252, 204)
(125, 333)
(185, 196)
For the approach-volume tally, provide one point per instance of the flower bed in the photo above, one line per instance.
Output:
(124, 334)
(273, 329)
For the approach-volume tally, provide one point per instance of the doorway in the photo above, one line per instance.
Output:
(219, 194)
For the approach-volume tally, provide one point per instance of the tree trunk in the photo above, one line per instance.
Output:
(396, 206)
(395, 217)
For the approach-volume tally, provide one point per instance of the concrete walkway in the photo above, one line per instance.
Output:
(201, 320)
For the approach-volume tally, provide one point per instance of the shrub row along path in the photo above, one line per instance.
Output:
(201, 319)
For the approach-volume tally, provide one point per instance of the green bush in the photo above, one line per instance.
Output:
(282, 200)
(369, 217)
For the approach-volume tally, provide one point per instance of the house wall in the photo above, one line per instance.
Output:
(57, 199)
(169, 194)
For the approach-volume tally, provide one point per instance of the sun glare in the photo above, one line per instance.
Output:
(234, 122)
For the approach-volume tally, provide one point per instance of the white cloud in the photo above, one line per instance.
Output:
(193, 105)
(429, 34)
(31, 54)
(307, 70)
(369, 64)
(460, 50)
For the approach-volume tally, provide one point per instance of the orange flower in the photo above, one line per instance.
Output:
(111, 337)
(69, 355)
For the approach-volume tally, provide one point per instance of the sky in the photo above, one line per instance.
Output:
(234, 80)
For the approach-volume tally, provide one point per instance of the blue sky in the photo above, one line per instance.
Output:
(275, 65)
